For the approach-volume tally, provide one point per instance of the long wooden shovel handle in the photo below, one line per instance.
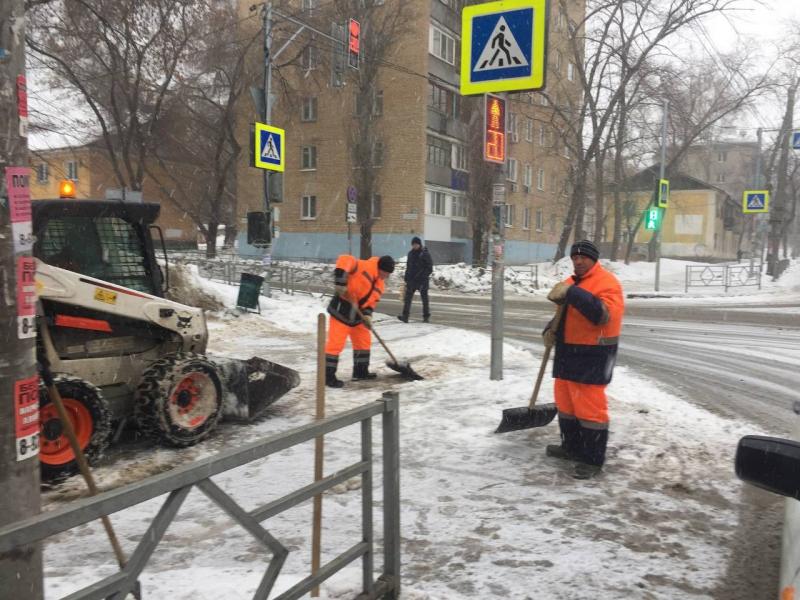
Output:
(361, 315)
(554, 326)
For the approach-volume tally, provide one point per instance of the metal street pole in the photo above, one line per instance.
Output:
(657, 232)
(267, 116)
(20, 570)
(498, 273)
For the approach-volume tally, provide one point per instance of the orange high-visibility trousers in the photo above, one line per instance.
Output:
(584, 401)
(338, 332)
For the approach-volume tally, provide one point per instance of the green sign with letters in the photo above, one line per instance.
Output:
(652, 219)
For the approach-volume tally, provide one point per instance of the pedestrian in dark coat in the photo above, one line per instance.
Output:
(418, 269)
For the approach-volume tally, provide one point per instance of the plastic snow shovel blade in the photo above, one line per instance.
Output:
(515, 419)
(404, 368)
(252, 385)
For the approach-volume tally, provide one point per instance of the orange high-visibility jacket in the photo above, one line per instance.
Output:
(363, 286)
(588, 336)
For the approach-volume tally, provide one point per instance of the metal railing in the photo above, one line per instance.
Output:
(727, 275)
(178, 482)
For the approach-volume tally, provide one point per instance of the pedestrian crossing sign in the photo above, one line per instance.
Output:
(504, 46)
(270, 143)
(755, 201)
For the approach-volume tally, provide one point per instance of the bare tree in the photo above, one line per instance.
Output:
(123, 57)
(610, 47)
(383, 24)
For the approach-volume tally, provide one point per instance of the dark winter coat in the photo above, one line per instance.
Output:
(419, 267)
(588, 336)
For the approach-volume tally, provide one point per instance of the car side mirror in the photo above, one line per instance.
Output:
(770, 463)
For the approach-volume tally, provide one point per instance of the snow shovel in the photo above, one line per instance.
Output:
(404, 367)
(526, 417)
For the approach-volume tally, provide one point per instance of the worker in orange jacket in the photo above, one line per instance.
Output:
(586, 344)
(357, 283)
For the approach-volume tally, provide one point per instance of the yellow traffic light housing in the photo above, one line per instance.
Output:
(66, 189)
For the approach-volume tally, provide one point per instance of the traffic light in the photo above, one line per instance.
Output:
(663, 193)
(494, 131)
(66, 189)
(354, 42)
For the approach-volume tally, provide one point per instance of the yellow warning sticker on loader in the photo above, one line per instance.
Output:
(106, 296)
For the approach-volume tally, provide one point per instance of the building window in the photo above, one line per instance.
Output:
(377, 104)
(542, 135)
(539, 219)
(526, 219)
(722, 156)
(528, 129)
(444, 100)
(512, 169)
(720, 177)
(308, 112)
(438, 203)
(439, 152)
(377, 206)
(442, 45)
(527, 178)
(309, 58)
(540, 180)
(377, 154)
(71, 167)
(459, 157)
(308, 157)
(309, 6)
(571, 71)
(553, 223)
(566, 150)
(509, 215)
(41, 173)
(561, 18)
(513, 132)
(458, 207)
(308, 208)
(558, 61)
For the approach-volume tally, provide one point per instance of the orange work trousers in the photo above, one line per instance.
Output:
(584, 401)
(338, 332)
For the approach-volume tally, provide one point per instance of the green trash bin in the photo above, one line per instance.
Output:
(249, 291)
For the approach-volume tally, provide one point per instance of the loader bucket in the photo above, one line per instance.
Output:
(252, 385)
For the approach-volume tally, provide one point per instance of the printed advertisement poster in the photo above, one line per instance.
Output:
(26, 413)
(26, 297)
(19, 199)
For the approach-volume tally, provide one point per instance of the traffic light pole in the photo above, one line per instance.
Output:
(657, 232)
(21, 569)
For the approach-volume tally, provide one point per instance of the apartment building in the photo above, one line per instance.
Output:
(421, 150)
(730, 166)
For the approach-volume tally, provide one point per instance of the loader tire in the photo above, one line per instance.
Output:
(90, 417)
(179, 399)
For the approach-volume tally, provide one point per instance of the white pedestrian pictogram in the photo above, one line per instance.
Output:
(756, 201)
(270, 151)
(501, 50)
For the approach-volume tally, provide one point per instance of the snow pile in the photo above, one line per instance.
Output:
(482, 515)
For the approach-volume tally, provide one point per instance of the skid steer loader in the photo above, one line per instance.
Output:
(121, 352)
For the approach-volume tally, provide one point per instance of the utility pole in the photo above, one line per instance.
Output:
(657, 232)
(497, 252)
(20, 570)
(267, 116)
(778, 208)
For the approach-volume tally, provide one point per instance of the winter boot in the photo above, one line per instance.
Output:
(426, 319)
(330, 378)
(592, 447)
(568, 449)
(584, 471)
(403, 318)
(361, 372)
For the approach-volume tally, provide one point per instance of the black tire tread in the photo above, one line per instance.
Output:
(101, 436)
(151, 394)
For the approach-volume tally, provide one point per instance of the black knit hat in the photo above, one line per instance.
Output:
(386, 263)
(416, 240)
(586, 248)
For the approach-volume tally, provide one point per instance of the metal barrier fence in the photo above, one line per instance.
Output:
(178, 482)
(727, 276)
